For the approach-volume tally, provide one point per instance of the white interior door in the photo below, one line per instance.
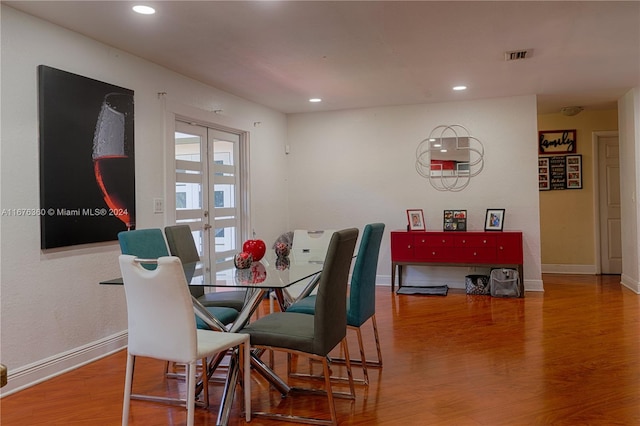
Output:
(208, 191)
(609, 200)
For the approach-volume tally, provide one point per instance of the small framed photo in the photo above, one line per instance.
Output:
(574, 171)
(455, 220)
(416, 220)
(494, 220)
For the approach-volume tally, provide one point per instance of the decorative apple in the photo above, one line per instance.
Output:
(257, 248)
(282, 249)
(243, 260)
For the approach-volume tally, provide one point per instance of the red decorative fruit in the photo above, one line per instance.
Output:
(257, 248)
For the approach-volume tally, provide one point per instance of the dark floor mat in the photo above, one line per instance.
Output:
(440, 290)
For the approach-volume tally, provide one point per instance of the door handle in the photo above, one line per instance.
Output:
(207, 226)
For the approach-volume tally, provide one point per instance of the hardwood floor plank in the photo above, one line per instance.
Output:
(568, 356)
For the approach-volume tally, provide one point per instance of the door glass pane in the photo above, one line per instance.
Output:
(224, 196)
(223, 193)
(188, 189)
(189, 184)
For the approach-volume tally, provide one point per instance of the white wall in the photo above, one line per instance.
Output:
(349, 168)
(55, 315)
(629, 125)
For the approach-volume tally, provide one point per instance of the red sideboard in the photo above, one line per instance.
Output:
(471, 248)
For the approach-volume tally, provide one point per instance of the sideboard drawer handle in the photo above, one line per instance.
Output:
(464, 241)
(433, 253)
(484, 242)
(501, 248)
(475, 254)
(409, 246)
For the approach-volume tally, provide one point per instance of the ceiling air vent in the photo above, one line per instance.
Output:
(515, 55)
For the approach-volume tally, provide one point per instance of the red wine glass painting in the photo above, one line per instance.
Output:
(111, 158)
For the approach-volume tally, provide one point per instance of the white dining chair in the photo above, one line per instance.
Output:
(307, 246)
(162, 326)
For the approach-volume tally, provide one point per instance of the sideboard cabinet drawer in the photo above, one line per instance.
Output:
(509, 247)
(475, 240)
(434, 254)
(402, 246)
(476, 254)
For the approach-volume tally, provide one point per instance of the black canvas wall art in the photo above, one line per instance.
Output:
(87, 165)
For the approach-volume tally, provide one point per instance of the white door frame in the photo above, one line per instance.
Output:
(176, 111)
(595, 140)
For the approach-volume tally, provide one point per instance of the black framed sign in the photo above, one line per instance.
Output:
(557, 142)
(560, 172)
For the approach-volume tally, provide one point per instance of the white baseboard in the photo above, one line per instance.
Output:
(569, 269)
(48, 368)
(630, 283)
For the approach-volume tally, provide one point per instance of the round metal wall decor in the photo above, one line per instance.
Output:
(449, 157)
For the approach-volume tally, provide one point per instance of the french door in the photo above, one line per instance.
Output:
(209, 192)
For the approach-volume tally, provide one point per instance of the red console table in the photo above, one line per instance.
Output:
(471, 248)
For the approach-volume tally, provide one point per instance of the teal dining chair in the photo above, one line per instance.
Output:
(181, 244)
(150, 244)
(316, 335)
(361, 303)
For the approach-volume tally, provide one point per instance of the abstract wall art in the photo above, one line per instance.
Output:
(87, 164)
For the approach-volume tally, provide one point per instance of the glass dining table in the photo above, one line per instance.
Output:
(269, 274)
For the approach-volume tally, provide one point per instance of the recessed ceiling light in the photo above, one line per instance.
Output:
(145, 10)
(315, 100)
(457, 88)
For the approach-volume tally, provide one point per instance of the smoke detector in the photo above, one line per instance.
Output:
(570, 111)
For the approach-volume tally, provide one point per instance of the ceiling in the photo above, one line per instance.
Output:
(356, 54)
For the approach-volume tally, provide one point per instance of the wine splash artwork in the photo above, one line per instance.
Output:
(110, 156)
(87, 163)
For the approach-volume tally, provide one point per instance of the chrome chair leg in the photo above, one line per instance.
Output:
(328, 392)
(374, 364)
(349, 379)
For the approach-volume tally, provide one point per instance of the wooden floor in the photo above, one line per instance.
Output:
(568, 356)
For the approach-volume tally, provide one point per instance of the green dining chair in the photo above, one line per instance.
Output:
(150, 244)
(314, 335)
(181, 244)
(361, 303)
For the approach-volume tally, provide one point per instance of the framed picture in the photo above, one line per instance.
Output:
(543, 174)
(560, 172)
(574, 171)
(455, 220)
(87, 164)
(416, 220)
(557, 142)
(494, 220)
